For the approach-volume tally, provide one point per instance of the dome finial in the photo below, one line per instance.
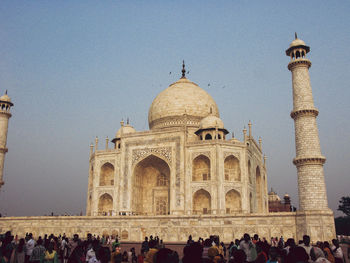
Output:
(183, 70)
(6, 92)
(296, 35)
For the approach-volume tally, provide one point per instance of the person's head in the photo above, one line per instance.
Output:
(273, 253)
(316, 253)
(89, 236)
(239, 256)
(50, 247)
(75, 237)
(165, 255)
(246, 237)
(207, 242)
(39, 242)
(306, 240)
(326, 244)
(193, 252)
(290, 242)
(95, 244)
(256, 237)
(335, 242)
(146, 238)
(299, 255)
(152, 243)
(103, 255)
(237, 242)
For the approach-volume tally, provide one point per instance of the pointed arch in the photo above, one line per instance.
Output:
(250, 172)
(201, 202)
(151, 187)
(107, 175)
(258, 185)
(233, 202)
(201, 168)
(251, 203)
(105, 204)
(232, 169)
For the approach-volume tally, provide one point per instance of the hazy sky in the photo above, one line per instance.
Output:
(74, 69)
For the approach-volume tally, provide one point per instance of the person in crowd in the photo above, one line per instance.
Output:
(273, 255)
(239, 256)
(152, 250)
(248, 247)
(103, 255)
(126, 259)
(298, 254)
(262, 257)
(165, 255)
(116, 256)
(328, 252)
(192, 252)
(337, 251)
(29, 247)
(91, 253)
(50, 254)
(145, 245)
(38, 252)
(19, 254)
(317, 255)
(141, 256)
(206, 246)
(72, 244)
(306, 245)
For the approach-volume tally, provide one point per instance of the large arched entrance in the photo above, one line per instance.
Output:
(233, 202)
(151, 186)
(105, 205)
(201, 202)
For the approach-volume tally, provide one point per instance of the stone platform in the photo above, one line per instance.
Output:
(318, 224)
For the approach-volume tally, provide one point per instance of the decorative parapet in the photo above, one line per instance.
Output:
(309, 160)
(298, 62)
(304, 112)
(138, 154)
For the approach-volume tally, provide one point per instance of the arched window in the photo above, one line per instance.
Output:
(250, 172)
(258, 185)
(232, 169)
(107, 175)
(162, 180)
(208, 137)
(233, 202)
(105, 205)
(201, 168)
(201, 202)
(297, 54)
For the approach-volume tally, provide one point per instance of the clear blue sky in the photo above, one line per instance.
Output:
(74, 69)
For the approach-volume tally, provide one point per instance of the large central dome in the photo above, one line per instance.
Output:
(182, 103)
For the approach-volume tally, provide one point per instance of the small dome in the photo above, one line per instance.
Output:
(125, 130)
(5, 97)
(182, 103)
(297, 42)
(211, 121)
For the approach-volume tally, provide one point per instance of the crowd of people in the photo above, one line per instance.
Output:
(61, 249)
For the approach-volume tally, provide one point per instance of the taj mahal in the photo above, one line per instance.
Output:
(188, 175)
(184, 165)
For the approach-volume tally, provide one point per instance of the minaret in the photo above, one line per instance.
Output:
(5, 115)
(309, 160)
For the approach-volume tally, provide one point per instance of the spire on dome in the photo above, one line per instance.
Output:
(183, 70)
(296, 36)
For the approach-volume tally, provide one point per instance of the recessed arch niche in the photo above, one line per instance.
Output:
(151, 187)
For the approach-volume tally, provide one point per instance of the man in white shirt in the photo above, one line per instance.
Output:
(29, 247)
